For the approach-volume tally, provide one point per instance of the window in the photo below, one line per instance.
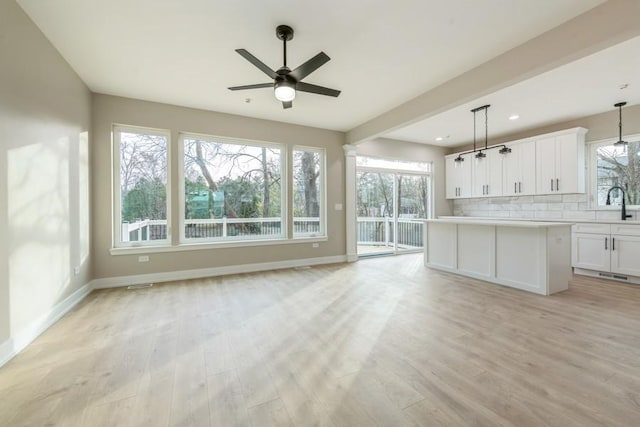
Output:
(232, 190)
(616, 166)
(308, 192)
(141, 187)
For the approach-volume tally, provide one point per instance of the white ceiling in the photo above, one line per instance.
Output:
(581, 88)
(383, 53)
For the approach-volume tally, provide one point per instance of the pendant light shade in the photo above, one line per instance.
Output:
(620, 142)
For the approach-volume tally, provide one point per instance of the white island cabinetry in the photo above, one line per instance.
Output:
(532, 256)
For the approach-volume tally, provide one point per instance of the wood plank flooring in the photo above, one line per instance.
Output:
(383, 341)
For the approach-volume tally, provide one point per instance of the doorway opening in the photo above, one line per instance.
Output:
(393, 198)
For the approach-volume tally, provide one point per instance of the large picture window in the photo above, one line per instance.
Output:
(308, 192)
(232, 190)
(141, 186)
(616, 166)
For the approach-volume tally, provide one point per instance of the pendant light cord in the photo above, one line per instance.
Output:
(620, 142)
(474, 131)
(486, 126)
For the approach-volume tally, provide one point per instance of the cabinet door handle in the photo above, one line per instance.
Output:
(551, 184)
(606, 239)
(487, 193)
(557, 184)
(520, 187)
(515, 187)
(613, 243)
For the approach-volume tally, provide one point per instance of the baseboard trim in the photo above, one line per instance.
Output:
(115, 282)
(26, 336)
(6, 351)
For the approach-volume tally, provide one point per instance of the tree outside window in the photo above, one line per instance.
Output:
(618, 166)
(142, 182)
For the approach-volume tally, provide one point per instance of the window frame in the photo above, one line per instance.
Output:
(592, 170)
(323, 193)
(116, 131)
(230, 241)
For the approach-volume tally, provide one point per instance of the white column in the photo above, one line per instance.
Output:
(350, 201)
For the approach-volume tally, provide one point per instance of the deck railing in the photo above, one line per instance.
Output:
(371, 230)
(217, 228)
(380, 231)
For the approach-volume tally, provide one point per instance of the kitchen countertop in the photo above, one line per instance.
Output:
(570, 221)
(498, 222)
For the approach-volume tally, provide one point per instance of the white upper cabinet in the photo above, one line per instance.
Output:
(486, 177)
(560, 166)
(519, 169)
(458, 176)
(548, 164)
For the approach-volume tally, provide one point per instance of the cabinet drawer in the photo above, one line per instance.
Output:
(591, 228)
(626, 229)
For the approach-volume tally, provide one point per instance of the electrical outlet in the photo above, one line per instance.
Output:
(76, 271)
(143, 258)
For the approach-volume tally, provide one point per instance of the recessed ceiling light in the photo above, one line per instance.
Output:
(514, 117)
(439, 138)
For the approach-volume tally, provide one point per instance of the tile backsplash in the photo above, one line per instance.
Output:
(554, 206)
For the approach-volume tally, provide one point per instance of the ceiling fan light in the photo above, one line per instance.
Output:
(285, 91)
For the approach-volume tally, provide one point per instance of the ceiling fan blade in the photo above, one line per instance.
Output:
(320, 90)
(310, 66)
(256, 86)
(287, 104)
(259, 64)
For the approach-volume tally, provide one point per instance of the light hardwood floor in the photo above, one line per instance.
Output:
(383, 341)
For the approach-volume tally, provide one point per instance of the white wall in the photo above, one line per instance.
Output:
(44, 209)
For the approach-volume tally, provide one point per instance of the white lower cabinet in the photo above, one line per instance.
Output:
(602, 248)
(591, 251)
(625, 254)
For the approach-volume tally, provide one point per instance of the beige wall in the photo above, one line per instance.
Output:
(108, 110)
(402, 150)
(44, 229)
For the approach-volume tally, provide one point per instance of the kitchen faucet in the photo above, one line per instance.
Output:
(624, 206)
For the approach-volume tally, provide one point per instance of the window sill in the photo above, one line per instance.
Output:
(134, 250)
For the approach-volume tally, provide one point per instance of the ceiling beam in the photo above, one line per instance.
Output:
(606, 25)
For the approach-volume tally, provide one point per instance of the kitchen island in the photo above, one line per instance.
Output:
(528, 255)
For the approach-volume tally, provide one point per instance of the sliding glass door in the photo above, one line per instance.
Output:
(391, 207)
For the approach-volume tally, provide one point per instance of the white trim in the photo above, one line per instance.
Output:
(196, 246)
(114, 282)
(26, 336)
(6, 351)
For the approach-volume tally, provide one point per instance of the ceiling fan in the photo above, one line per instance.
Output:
(285, 81)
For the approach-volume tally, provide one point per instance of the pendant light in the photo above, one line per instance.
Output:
(480, 153)
(620, 142)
